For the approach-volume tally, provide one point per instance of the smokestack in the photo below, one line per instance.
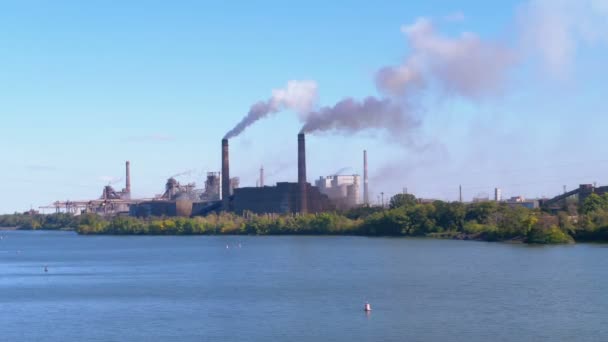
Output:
(365, 179)
(460, 193)
(302, 173)
(128, 178)
(225, 175)
(262, 177)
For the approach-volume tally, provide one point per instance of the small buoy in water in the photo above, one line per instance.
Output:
(367, 307)
(227, 247)
(239, 245)
(46, 269)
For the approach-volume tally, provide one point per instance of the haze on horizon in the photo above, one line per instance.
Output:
(486, 95)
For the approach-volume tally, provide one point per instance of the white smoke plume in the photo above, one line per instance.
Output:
(184, 173)
(466, 65)
(110, 180)
(555, 30)
(299, 96)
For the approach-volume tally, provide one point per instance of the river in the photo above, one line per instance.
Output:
(239, 288)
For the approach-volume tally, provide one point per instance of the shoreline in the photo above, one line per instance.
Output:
(456, 236)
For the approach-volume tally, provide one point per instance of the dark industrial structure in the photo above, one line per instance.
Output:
(365, 180)
(580, 195)
(225, 175)
(128, 179)
(181, 207)
(302, 185)
(285, 197)
(220, 193)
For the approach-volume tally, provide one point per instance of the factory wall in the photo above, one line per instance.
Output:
(283, 198)
(161, 208)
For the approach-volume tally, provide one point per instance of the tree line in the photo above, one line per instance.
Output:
(405, 216)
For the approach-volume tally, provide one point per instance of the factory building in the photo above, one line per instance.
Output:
(342, 190)
(497, 194)
(212, 187)
(109, 193)
(174, 190)
(180, 207)
(221, 192)
(284, 198)
(522, 202)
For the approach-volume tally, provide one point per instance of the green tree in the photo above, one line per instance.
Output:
(450, 216)
(594, 203)
(403, 200)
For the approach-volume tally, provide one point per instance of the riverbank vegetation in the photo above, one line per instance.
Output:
(486, 221)
(32, 221)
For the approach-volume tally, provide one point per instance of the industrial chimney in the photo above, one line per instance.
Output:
(365, 179)
(261, 177)
(225, 175)
(128, 178)
(303, 205)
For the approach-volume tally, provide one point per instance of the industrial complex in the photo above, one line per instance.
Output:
(223, 193)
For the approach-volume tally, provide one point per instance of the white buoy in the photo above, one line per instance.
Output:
(367, 307)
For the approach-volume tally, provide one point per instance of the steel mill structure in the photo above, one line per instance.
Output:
(111, 201)
(223, 193)
(342, 190)
(284, 197)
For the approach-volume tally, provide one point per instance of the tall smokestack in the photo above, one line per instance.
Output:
(460, 193)
(128, 178)
(225, 175)
(365, 179)
(262, 176)
(302, 173)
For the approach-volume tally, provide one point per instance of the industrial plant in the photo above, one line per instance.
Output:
(223, 193)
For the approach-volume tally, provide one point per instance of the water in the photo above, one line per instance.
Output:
(105, 288)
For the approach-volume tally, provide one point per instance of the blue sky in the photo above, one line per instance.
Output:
(86, 85)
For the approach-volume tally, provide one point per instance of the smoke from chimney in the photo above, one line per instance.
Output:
(184, 173)
(464, 66)
(350, 116)
(299, 96)
(225, 175)
(303, 205)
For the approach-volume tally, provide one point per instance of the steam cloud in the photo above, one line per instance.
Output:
(184, 173)
(110, 179)
(299, 96)
(465, 65)
(555, 29)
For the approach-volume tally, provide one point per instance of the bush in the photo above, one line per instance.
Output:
(552, 235)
